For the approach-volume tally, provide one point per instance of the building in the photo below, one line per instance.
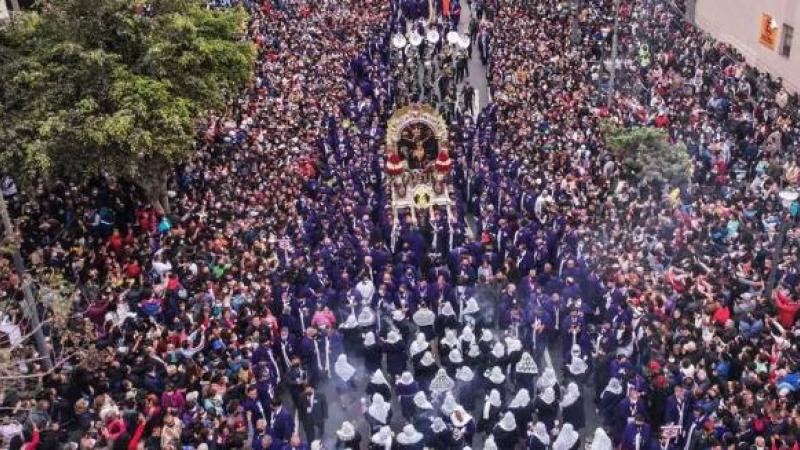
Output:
(762, 30)
(3, 11)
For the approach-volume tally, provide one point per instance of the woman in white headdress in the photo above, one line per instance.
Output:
(449, 342)
(505, 432)
(378, 384)
(366, 320)
(568, 438)
(344, 379)
(491, 411)
(470, 311)
(538, 437)
(441, 383)
(513, 349)
(351, 334)
(347, 437)
(489, 444)
(418, 347)
(379, 412)
(486, 341)
(406, 389)
(498, 357)
(609, 399)
(373, 354)
(546, 407)
(449, 403)
(446, 319)
(572, 407)
(410, 439)
(465, 387)
(396, 353)
(495, 379)
(441, 437)
(525, 371)
(421, 403)
(463, 426)
(453, 361)
(424, 318)
(601, 441)
(425, 370)
(522, 407)
(548, 379)
(383, 439)
(577, 368)
(467, 337)
(473, 357)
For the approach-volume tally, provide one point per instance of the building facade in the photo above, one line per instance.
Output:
(3, 10)
(762, 30)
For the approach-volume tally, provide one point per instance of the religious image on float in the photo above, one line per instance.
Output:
(418, 145)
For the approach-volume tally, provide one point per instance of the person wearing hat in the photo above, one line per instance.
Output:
(347, 437)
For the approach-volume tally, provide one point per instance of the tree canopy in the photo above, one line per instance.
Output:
(109, 87)
(647, 155)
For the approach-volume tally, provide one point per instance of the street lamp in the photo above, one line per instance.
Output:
(788, 199)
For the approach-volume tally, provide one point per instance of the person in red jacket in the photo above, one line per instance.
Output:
(787, 308)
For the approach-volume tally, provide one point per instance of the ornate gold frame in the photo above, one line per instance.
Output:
(415, 114)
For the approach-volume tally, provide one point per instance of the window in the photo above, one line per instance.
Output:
(786, 40)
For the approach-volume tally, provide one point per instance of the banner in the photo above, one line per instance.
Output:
(768, 34)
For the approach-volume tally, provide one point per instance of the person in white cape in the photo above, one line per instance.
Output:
(538, 437)
(383, 438)
(379, 412)
(409, 439)
(601, 441)
(568, 438)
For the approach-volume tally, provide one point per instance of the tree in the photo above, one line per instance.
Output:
(647, 155)
(95, 87)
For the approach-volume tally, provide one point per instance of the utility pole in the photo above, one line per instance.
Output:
(777, 256)
(29, 306)
(614, 42)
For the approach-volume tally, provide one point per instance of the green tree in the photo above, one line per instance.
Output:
(647, 155)
(96, 87)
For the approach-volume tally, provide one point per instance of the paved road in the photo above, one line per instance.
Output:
(477, 71)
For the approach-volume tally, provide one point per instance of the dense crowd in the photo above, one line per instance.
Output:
(278, 305)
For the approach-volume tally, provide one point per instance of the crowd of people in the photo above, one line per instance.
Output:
(278, 305)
